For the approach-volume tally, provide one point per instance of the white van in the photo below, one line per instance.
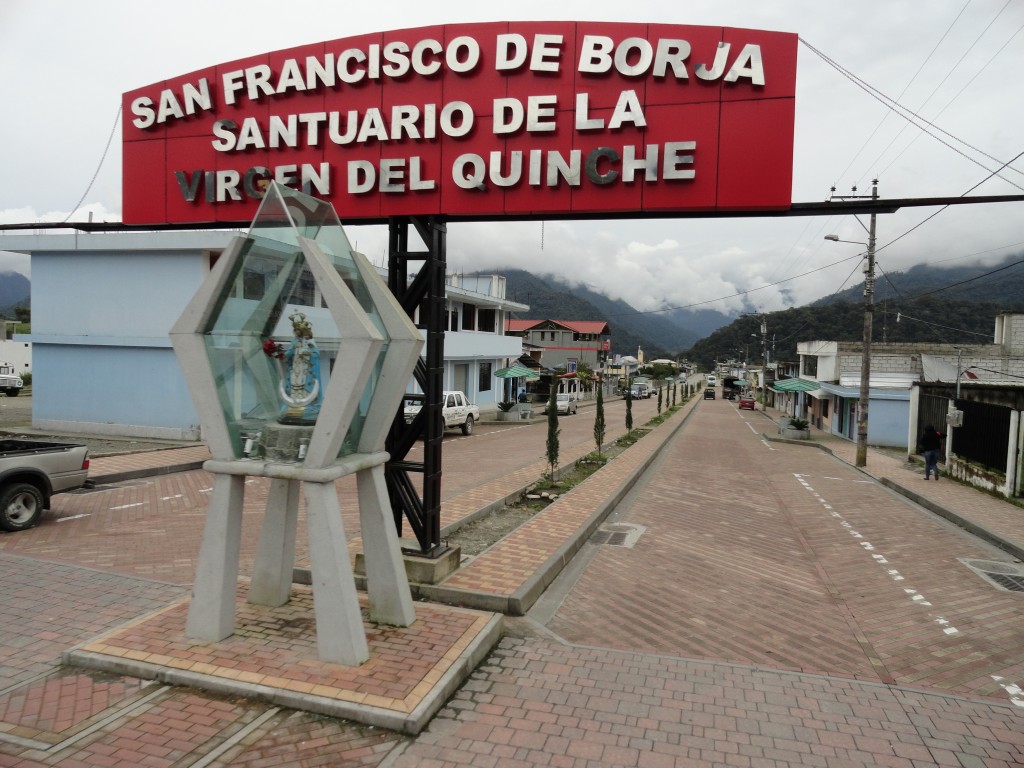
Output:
(712, 380)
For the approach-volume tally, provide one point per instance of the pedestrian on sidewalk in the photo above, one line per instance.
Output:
(931, 442)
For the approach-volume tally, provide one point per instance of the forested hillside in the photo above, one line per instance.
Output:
(930, 319)
(551, 299)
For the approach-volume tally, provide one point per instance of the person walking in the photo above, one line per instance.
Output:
(931, 442)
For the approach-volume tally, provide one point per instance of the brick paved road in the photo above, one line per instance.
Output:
(759, 619)
(782, 556)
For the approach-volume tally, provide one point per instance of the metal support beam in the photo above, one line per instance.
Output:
(424, 292)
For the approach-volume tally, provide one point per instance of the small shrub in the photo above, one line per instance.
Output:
(506, 405)
(795, 423)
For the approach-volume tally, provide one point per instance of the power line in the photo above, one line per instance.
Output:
(900, 315)
(900, 110)
(964, 282)
(113, 129)
(957, 96)
(909, 83)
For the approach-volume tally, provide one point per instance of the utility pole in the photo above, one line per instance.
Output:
(764, 364)
(865, 363)
(869, 310)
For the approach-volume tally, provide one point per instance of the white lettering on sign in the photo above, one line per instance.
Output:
(221, 186)
(599, 55)
(193, 99)
(311, 129)
(550, 168)
(592, 104)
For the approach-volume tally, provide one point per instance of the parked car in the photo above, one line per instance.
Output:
(565, 404)
(747, 401)
(709, 393)
(456, 411)
(10, 382)
(31, 472)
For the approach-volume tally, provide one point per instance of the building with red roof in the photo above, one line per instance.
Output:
(565, 343)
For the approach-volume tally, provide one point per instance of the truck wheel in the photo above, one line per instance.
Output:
(21, 506)
(13, 392)
(467, 428)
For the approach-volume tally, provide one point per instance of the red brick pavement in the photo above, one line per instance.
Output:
(544, 702)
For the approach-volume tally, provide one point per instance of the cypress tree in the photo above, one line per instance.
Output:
(552, 444)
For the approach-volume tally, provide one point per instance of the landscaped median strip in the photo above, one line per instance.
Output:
(510, 576)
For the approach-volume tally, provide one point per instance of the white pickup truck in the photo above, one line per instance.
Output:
(10, 381)
(456, 410)
(33, 471)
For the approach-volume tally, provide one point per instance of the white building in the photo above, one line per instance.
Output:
(103, 305)
(835, 366)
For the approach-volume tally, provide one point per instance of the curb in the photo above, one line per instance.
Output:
(524, 598)
(1010, 547)
(135, 474)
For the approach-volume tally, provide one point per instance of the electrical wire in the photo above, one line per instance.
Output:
(944, 79)
(932, 216)
(900, 110)
(964, 282)
(909, 83)
(957, 96)
(113, 129)
(901, 315)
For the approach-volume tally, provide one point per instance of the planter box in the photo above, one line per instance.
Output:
(796, 434)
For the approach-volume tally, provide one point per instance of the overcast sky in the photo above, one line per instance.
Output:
(957, 64)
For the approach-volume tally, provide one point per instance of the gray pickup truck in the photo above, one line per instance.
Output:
(31, 472)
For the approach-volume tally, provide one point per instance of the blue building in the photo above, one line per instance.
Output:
(103, 305)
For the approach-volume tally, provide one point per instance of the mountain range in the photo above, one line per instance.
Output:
(925, 303)
(15, 291)
(659, 334)
(956, 305)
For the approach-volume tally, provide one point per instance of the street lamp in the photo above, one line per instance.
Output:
(869, 311)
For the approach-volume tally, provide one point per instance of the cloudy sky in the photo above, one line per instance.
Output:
(955, 63)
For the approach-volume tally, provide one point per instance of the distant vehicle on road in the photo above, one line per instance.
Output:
(10, 381)
(565, 404)
(712, 380)
(709, 393)
(747, 401)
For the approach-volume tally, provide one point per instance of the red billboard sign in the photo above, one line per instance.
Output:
(508, 119)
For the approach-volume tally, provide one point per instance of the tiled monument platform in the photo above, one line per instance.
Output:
(272, 656)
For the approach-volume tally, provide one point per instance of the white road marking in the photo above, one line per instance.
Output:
(129, 506)
(1015, 691)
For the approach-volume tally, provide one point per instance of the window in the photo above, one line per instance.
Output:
(486, 320)
(453, 319)
(484, 382)
(468, 317)
(809, 365)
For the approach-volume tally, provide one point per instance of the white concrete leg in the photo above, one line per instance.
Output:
(272, 572)
(340, 637)
(211, 614)
(387, 586)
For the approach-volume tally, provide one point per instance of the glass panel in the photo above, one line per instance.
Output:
(272, 342)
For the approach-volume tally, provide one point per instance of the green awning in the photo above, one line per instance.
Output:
(795, 385)
(516, 372)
